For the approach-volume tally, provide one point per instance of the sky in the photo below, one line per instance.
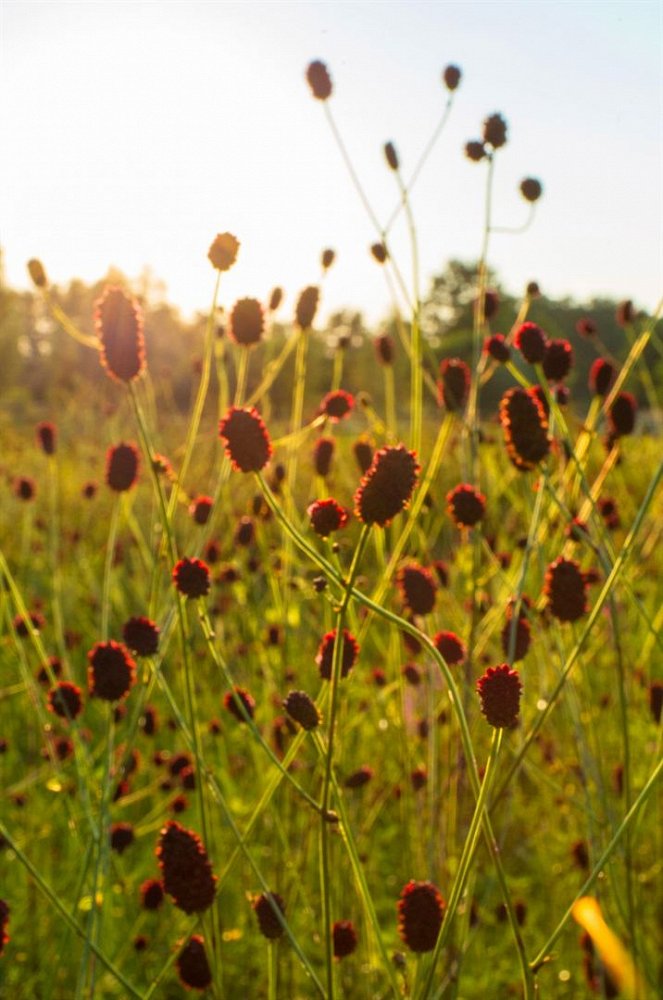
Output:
(136, 131)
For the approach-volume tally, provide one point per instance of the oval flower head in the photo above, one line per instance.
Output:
(247, 440)
(387, 487)
(118, 319)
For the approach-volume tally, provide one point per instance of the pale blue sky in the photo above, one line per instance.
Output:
(134, 132)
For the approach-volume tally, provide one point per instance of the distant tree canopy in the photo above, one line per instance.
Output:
(41, 363)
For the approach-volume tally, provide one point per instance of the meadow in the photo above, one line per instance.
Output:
(317, 688)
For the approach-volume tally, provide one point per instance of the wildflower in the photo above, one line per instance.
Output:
(247, 322)
(111, 671)
(420, 913)
(349, 654)
(451, 77)
(454, 384)
(499, 690)
(384, 348)
(37, 273)
(387, 486)
(307, 306)
(25, 488)
(122, 464)
(118, 320)
(465, 505)
(359, 778)
(475, 150)
(47, 437)
(363, 452)
(625, 313)
(523, 636)
(239, 699)
(121, 837)
(417, 588)
(533, 291)
(621, 415)
(452, 648)
(497, 347)
(24, 625)
(55, 665)
(525, 427)
(379, 252)
(247, 441)
(185, 868)
(319, 80)
(191, 577)
(200, 509)
(302, 709)
(601, 377)
(89, 490)
(344, 938)
(564, 588)
(656, 700)
(323, 453)
(557, 360)
(192, 965)
(327, 516)
(275, 299)
(223, 251)
(4, 921)
(586, 327)
(418, 778)
(264, 907)
(491, 303)
(494, 131)
(141, 635)
(531, 341)
(391, 156)
(65, 700)
(327, 259)
(337, 405)
(531, 189)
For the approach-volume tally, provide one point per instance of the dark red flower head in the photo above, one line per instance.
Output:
(122, 464)
(118, 320)
(451, 77)
(465, 505)
(200, 509)
(323, 452)
(379, 252)
(191, 577)
(302, 709)
(275, 299)
(247, 322)
(391, 156)
(141, 635)
(337, 405)
(223, 251)
(319, 80)
(625, 313)
(111, 671)
(475, 150)
(344, 937)
(307, 306)
(565, 589)
(491, 303)
(586, 327)
(531, 189)
(451, 647)
(265, 906)
(525, 428)
(417, 587)
(47, 437)
(240, 704)
(24, 488)
(621, 415)
(420, 913)
(387, 487)
(494, 131)
(151, 894)
(384, 348)
(65, 700)
(601, 377)
(247, 441)
(531, 341)
(557, 360)
(327, 516)
(37, 273)
(192, 965)
(497, 347)
(499, 690)
(121, 836)
(325, 654)
(327, 258)
(454, 384)
(363, 451)
(185, 868)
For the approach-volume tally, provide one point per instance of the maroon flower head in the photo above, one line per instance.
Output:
(325, 654)
(302, 709)
(264, 907)
(465, 505)
(25, 488)
(475, 150)
(586, 327)
(454, 384)
(239, 703)
(247, 322)
(327, 516)
(191, 577)
(327, 258)
(497, 347)
(4, 921)
(223, 251)
(323, 452)
(201, 508)
(391, 156)
(522, 637)
(121, 836)
(420, 913)
(363, 451)
(565, 590)
(122, 464)
(531, 189)
(451, 77)
(360, 777)
(557, 360)
(379, 252)
(656, 700)
(192, 965)
(141, 635)
(118, 320)
(344, 938)
(387, 487)
(625, 313)
(621, 415)
(151, 894)
(494, 131)
(307, 306)
(247, 441)
(602, 375)
(65, 700)
(337, 405)
(451, 647)
(37, 273)
(525, 428)
(384, 348)
(185, 868)
(417, 588)
(499, 690)
(531, 341)
(275, 299)
(111, 671)
(47, 436)
(319, 80)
